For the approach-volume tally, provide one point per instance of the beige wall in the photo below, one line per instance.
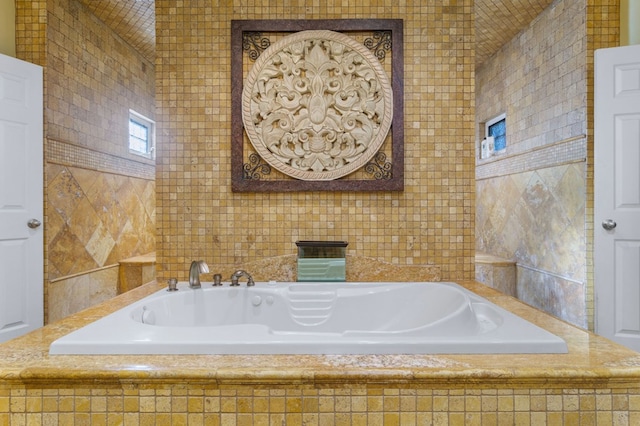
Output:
(629, 22)
(7, 27)
(430, 222)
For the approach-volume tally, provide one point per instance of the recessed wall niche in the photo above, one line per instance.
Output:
(314, 135)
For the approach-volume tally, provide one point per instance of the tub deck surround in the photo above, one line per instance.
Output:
(592, 361)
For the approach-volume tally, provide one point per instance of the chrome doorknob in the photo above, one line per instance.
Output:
(609, 224)
(34, 223)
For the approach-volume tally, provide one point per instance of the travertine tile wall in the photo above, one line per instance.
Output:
(195, 405)
(538, 219)
(96, 219)
(93, 79)
(534, 201)
(431, 222)
(99, 198)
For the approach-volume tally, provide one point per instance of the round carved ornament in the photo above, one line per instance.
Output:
(317, 105)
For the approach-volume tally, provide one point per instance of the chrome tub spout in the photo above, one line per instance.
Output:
(197, 267)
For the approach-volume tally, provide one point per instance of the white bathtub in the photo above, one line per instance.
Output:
(311, 318)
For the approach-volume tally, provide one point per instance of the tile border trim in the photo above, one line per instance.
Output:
(571, 150)
(68, 154)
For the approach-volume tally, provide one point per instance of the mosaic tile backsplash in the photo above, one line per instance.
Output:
(431, 222)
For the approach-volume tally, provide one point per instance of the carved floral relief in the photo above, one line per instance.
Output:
(317, 105)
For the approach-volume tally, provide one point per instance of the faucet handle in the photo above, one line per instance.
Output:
(172, 284)
(217, 279)
(234, 281)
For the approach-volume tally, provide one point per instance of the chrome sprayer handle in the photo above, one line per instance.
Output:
(240, 273)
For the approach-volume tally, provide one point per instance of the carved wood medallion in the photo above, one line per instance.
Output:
(317, 105)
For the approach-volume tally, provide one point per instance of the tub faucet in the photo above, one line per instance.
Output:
(197, 267)
(240, 273)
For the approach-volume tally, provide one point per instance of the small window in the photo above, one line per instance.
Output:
(141, 135)
(497, 127)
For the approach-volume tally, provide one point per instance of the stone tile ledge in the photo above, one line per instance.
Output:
(490, 259)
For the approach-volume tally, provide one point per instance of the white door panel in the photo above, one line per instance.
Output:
(12, 192)
(627, 130)
(628, 319)
(21, 197)
(14, 310)
(617, 194)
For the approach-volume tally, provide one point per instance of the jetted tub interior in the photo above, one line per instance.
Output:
(311, 318)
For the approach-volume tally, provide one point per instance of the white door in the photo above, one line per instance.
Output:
(617, 194)
(21, 198)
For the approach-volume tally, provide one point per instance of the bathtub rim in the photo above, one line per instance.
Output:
(592, 361)
(223, 340)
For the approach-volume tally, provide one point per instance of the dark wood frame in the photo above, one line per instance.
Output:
(239, 183)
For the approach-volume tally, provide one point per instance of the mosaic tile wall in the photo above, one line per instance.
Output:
(181, 405)
(533, 202)
(31, 31)
(431, 222)
(99, 198)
